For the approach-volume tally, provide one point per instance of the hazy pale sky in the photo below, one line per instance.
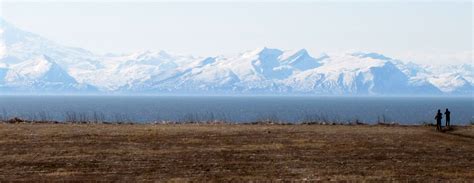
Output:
(424, 32)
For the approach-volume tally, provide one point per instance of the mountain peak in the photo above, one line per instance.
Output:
(10, 34)
(4, 23)
(371, 55)
(302, 52)
(299, 59)
(270, 51)
(262, 51)
(147, 54)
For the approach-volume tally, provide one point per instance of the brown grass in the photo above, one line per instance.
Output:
(223, 152)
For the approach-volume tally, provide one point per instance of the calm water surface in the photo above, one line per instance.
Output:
(405, 110)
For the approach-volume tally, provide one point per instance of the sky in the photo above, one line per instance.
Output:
(426, 32)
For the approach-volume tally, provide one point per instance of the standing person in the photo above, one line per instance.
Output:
(448, 117)
(438, 118)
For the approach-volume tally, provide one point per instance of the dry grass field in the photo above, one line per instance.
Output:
(223, 152)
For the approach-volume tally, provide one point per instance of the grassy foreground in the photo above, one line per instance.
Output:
(223, 152)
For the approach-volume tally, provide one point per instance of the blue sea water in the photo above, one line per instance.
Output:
(141, 109)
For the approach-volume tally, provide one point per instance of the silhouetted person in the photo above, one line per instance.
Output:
(448, 117)
(438, 118)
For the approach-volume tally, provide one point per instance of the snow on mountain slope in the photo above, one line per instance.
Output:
(417, 74)
(37, 69)
(450, 79)
(40, 74)
(301, 60)
(258, 70)
(23, 67)
(128, 71)
(465, 70)
(202, 75)
(352, 74)
(17, 45)
(452, 84)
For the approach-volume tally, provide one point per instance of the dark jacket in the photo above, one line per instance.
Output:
(448, 115)
(439, 116)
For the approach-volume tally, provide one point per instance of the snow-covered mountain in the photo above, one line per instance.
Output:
(30, 63)
(359, 74)
(40, 74)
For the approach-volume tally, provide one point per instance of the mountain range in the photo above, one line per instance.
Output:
(32, 64)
